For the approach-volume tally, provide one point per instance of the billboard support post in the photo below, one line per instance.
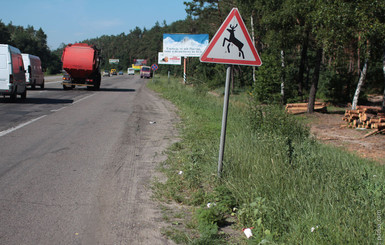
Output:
(168, 75)
(184, 69)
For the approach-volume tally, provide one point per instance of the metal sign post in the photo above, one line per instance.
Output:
(230, 45)
(224, 120)
(154, 67)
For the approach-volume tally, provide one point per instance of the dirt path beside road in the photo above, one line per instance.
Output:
(149, 131)
(327, 128)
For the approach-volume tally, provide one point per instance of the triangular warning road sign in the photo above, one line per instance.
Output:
(232, 44)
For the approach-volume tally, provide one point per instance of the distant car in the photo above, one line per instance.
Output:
(131, 71)
(120, 72)
(145, 72)
(106, 73)
(66, 76)
(113, 72)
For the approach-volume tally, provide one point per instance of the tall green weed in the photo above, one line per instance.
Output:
(276, 177)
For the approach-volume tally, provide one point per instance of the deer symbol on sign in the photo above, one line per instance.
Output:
(233, 40)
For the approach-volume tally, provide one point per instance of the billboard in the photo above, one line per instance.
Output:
(140, 62)
(187, 45)
(164, 59)
(114, 61)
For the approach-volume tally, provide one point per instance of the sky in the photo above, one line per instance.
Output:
(70, 21)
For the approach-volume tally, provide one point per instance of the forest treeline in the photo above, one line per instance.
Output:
(310, 49)
(31, 41)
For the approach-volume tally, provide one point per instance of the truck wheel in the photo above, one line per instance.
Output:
(97, 82)
(66, 88)
(97, 85)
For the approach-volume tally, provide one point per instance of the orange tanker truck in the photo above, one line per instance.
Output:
(81, 61)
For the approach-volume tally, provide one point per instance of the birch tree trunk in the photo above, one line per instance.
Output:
(359, 85)
(283, 99)
(383, 68)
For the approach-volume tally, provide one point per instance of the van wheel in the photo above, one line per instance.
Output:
(33, 86)
(24, 94)
(42, 86)
(13, 97)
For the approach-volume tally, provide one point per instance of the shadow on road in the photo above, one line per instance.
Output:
(100, 90)
(36, 101)
(116, 90)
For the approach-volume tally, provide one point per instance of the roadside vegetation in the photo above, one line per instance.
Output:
(276, 178)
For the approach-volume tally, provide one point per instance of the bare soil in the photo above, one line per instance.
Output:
(326, 127)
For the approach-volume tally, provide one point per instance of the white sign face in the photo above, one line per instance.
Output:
(232, 44)
(186, 45)
(114, 61)
(165, 59)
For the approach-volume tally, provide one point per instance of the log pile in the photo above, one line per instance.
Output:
(368, 117)
(297, 108)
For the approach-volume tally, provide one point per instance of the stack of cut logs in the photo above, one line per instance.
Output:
(366, 117)
(297, 108)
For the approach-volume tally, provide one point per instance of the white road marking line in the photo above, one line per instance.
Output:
(5, 132)
(83, 99)
(59, 109)
(55, 110)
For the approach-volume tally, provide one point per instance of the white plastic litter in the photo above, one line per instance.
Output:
(209, 205)
(314, 228)
(248, 232)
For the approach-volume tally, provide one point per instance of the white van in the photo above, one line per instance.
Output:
(33, 73)
(12, 73)
(130, 71)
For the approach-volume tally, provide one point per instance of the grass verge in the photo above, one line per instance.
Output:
(277, 179)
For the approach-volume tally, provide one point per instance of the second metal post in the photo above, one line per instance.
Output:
(224, 120)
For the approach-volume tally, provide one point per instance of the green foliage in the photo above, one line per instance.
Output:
(267, 87)
(337, 87)
(5, 36)
(276, 178)
(31, 41)
(274, 121)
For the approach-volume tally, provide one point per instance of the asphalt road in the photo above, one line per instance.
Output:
(75, 165)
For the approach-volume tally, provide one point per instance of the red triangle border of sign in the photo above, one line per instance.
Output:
(233, 13)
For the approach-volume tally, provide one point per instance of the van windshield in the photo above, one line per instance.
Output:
(145, 69)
